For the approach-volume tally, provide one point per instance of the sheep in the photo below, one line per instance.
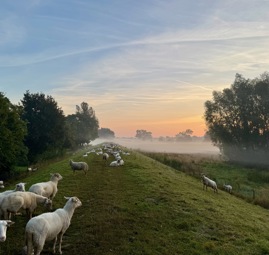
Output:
(121, 162)
(228, 188)
(2, 186)
(28, 201)
(79, 166)
(208, 182)
(114, 163)
(49, 226)
(105, 156)
(19, 187)
(47, 189)
(3, 229)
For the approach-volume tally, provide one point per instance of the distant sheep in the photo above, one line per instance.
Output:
(28, 201)
(209, 183)
(2, 185)
(49, 226)
(77, 166)
(105, 156)
(4, 224)
(114, 163)
(228, 188)
(47, 189)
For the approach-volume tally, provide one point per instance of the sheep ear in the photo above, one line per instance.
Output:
(9, 222)
(67, 198)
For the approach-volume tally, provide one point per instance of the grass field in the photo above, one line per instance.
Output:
(146, 208)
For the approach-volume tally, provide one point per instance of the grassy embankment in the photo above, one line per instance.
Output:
(145, 207)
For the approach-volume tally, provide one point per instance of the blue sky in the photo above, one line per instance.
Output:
(147, 64)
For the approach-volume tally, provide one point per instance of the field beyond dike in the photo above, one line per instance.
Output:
(145, 208)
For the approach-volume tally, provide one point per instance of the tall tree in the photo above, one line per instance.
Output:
(46, 126)
(83, 124)
(12, 132)
(238, 119)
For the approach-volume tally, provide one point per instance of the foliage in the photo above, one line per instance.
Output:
(83, 125)
(238, 120)
(45, 124)
(143, 134)
(105, 133)
(184, 136)
(12, 132)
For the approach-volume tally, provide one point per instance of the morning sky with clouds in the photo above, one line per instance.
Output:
(141, 64)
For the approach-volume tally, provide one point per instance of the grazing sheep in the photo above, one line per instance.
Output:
(47, 189)
(114, 163)
(105, 156)
(209, 183)
(3, 229)
(228, 188)
(49, 226)
(79, 166)
(28, 201)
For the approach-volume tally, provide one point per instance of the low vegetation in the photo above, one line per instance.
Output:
(146, 207)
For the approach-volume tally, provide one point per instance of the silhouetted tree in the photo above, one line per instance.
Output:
(143, 134)
(12, 132)
(46, 126)
(185, 135)
(105, 133)
(238, 119)
(83, 125)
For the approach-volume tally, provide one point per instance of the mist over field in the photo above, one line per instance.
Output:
(193, 147)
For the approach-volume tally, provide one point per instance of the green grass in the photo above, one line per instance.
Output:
(147, 208)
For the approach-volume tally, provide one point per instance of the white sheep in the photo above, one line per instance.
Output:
(19, 187)
(47, 189)
(49, 226)
(3, 229)
(105, 156)
(228, 188)
(2, 186)
(79, 166)
(209, 183)
(114, 163)
(28, 201)
(121, 162)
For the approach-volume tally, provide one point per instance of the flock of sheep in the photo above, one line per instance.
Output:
(52, 225)
(49, 225)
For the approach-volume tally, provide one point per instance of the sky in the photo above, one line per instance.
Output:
(149, 64)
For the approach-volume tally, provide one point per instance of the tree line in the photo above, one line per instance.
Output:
(36, 129)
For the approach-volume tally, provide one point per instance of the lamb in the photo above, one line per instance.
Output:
(228, 188)
(47, 189)
(3, 229)
(49, 226)
(79, 166)
(28, 201)
(209, 183)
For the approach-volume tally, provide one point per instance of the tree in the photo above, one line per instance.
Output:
(143, 134)
(83, 124)
(46, 126)
(105, 133)
(238, 119)
(184, 136)
(12, 132)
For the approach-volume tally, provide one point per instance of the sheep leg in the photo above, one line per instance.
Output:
(54, 245)
(60, 242)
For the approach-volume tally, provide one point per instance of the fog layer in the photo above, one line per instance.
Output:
(194, 147)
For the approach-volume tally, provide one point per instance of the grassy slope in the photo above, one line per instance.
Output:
(145, 207)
